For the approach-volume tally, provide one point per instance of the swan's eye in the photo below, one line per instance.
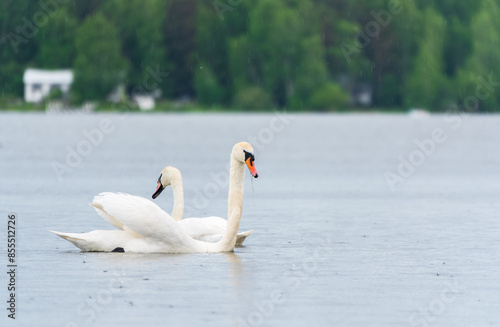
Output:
(159, 178)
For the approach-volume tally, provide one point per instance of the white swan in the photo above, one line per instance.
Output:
(146, 228)
(209, 229)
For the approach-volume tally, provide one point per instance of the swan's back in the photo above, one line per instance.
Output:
(200, 227)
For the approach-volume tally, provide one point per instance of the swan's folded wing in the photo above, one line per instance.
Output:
(199, 227)
(143, 217)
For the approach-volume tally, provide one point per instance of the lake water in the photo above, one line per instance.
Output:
(341, 238)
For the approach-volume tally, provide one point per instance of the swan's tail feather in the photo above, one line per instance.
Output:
(74, 238)
(242, 236)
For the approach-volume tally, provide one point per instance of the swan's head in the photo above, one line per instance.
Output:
(168, 174)
(243, 152)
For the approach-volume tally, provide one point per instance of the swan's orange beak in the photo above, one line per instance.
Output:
(251, 167)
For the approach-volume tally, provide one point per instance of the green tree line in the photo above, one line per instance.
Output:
(259, 54)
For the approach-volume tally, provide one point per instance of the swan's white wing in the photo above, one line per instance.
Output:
(146, 219)
(110, 219)
(210, 229)
(214, 238)
(199, 228)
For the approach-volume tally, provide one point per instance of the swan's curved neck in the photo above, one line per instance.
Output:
(234, 207)
(178, 190)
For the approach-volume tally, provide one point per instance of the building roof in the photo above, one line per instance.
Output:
(48, 76)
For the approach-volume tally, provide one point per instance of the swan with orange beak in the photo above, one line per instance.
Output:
(208, 229)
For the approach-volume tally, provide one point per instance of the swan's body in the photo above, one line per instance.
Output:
(146, 228)
(209, 229)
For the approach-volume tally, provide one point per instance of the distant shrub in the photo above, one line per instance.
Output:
(208, 90)
(252, 98)
(329, 97)
(55, 94)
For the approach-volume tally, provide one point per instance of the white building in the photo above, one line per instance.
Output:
(38, 83)
(145, 102)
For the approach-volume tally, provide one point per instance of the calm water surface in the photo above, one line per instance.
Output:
(333, 244)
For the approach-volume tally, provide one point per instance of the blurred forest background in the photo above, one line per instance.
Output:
(258, 54)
